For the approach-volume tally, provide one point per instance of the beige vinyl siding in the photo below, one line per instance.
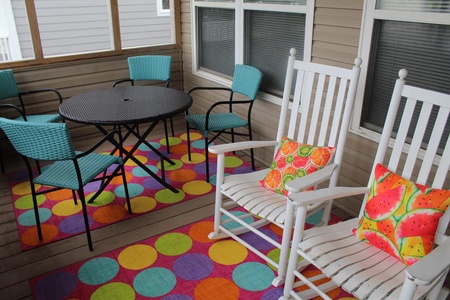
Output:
(335, 42)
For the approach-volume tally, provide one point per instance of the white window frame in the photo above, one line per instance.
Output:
(240, 7)
(8, 32)
(370, 14)
(161, 12)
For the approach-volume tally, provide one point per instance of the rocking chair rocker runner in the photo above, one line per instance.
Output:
(71, 169)
(324, 114)
(398, 216)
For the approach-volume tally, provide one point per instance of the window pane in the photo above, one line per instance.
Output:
(71, 27)
(270, 36)
(143, 23)
(422, 49)
(216, 40)
(15, 36)
(442, 6)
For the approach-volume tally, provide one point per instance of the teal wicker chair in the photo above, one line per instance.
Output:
(70, 169)
(10, 91)
(246, 81)
(151, 68)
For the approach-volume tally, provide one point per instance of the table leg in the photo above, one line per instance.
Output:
(129, 155)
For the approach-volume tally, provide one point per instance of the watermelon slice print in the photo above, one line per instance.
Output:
(383, 205)
(418, 222)
(381, 242)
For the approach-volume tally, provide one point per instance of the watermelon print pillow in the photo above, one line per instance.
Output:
(294, 160)
(401, 217)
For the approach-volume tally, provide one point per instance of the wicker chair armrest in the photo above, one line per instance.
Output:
(15, 108)
(58, 94)
(123, 80)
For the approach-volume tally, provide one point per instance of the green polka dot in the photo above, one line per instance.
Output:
(233, 162)
(26, 202)
(167, 166)
(172, 141)
(104, 198)
(167, 196)
(172, 244)
(114, 290)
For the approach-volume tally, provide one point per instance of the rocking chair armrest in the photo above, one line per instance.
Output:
(320, 195)
(430, 267)
(302, 183)
(219, 149)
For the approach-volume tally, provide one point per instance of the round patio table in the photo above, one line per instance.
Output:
(127, 107)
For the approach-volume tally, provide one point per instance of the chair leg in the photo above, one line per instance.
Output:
(36, 213)
(167, 136)
(252, 155)
(188, 140)
(86, 218)
(125, 187)
(2, 163)
(74, 195)
(207, 159)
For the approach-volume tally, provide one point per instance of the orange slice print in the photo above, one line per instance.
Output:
(320, 156)
(273, 179)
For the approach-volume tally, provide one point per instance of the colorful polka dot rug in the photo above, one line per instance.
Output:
(183, 264)
(61, 218)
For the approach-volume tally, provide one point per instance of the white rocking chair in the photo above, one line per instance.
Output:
(320, 114)
(357, 266)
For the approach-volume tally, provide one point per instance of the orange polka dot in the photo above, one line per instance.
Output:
(310, 273)
(179, 149)
(60, 195)
(118, 179)
(276, 229)
(199, 231)
(182, 175)
(30, 237)
(216, 288)
(109, 214)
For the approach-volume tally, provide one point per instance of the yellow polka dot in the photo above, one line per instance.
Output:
(24, 188)
(193, 135)
(66, 208)
(197, 187)
(137, 257)
(142, 204)
(141, 158)
(196, 158)
(228, 252)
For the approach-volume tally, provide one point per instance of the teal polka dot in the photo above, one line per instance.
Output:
(134, 189)
(28, 218)
(98, 270)
(315, 218)
(199, 144)
(143, 147)
(233, 224)
(244, 276)
(154, 282)
(139, 172)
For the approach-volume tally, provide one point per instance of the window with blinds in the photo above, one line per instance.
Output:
(256, 33)
(216, 41)
(422, 49)
(270, 36)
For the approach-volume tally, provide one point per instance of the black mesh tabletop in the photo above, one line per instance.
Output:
(125, 105)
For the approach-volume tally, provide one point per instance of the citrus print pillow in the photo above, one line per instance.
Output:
(294, 160)
(401, 217)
